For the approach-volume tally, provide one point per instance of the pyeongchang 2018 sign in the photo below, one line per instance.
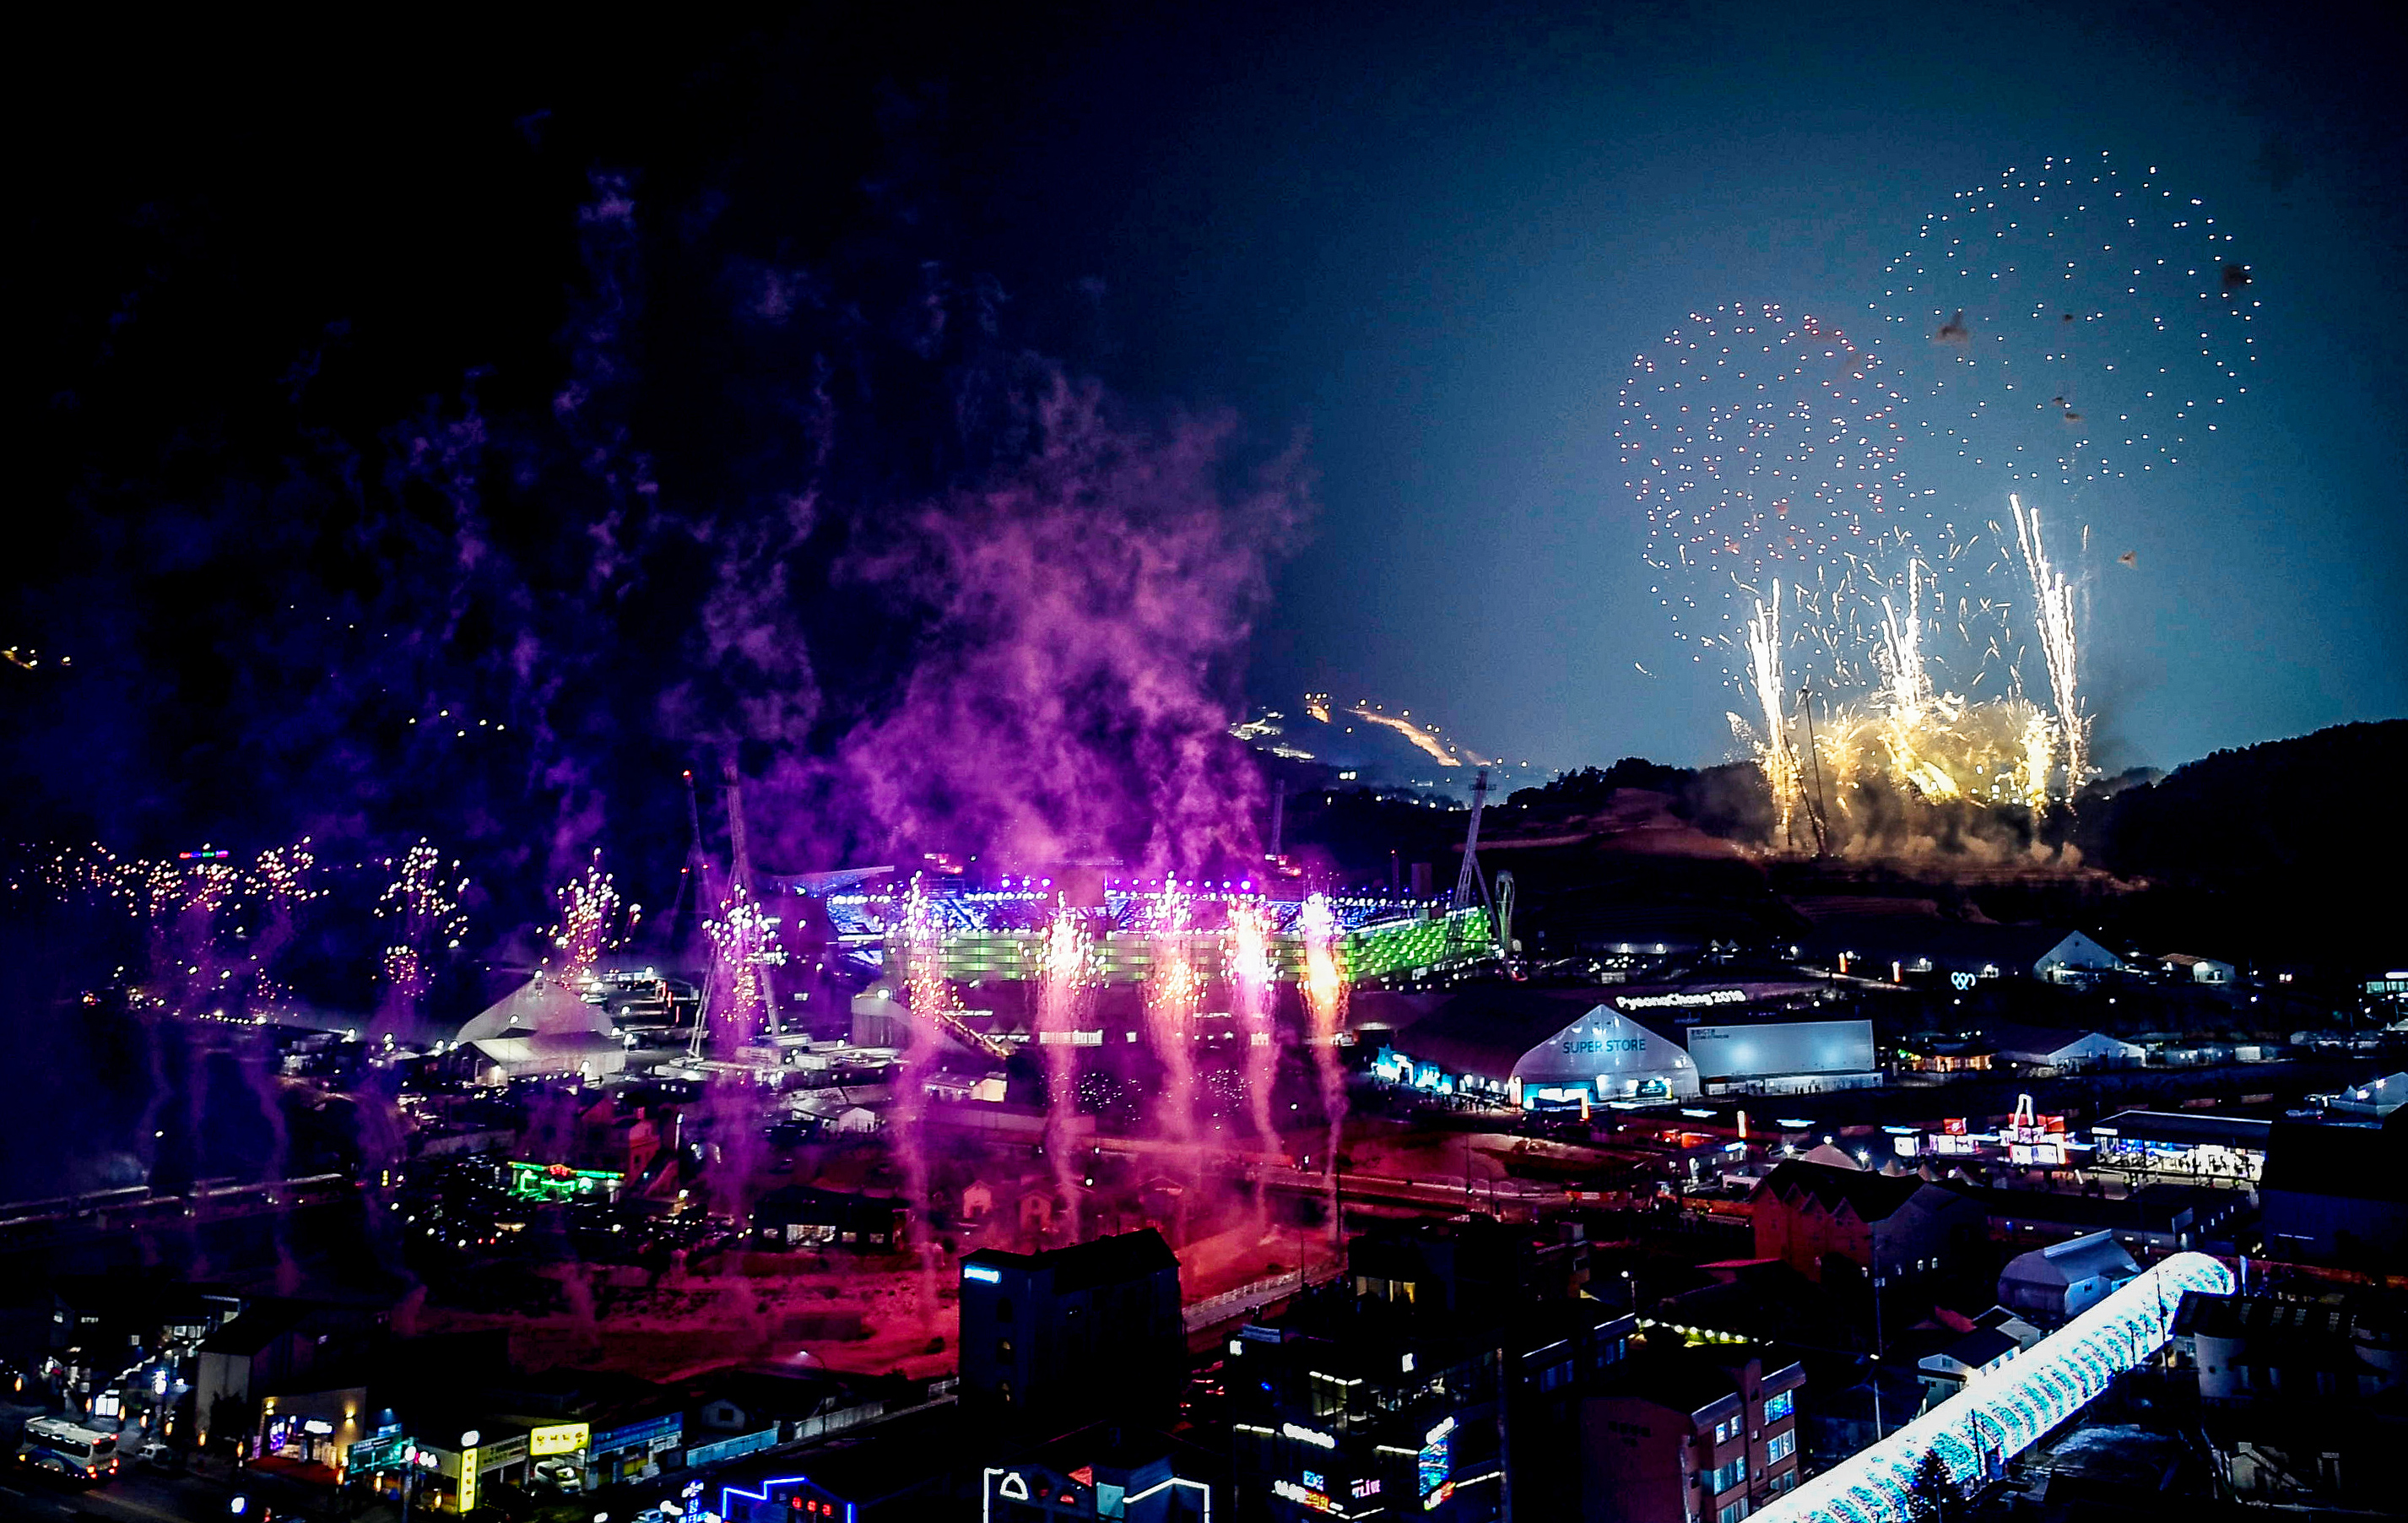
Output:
(1681, 1001)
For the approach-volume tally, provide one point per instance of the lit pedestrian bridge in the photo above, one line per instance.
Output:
(1998, 1416)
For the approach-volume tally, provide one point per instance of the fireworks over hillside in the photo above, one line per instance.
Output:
(1822, 508)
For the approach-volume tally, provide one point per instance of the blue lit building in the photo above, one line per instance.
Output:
(1129, 1475)
(1349, 1407)
(1442, 1378)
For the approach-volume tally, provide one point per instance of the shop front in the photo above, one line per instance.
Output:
(557, 1457)
(309, 1434)
(633, 1451)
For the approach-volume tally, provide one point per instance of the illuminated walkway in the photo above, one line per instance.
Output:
(1998, 1416)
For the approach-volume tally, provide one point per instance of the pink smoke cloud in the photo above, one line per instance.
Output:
(1091, 609)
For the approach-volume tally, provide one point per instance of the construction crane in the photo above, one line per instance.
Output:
(741, 861)
(1505, 919)
(1814, 815)
(692, 878)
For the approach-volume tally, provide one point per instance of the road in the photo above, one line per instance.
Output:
(1450, 1193)
(141, 1496)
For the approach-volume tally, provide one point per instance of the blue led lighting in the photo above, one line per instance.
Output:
(1998, 1416)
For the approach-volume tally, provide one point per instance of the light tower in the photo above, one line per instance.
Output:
(1470, 887)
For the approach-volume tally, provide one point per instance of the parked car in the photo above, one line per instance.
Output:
(164, 1457)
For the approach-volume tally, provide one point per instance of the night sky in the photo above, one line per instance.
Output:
(668, 393)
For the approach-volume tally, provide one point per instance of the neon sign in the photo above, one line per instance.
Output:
(1302, 1496)
(1306, 1435)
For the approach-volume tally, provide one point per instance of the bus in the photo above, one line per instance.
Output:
(53, 1443)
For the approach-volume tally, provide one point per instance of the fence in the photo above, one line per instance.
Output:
(1245, 1300)
(711, 1454)
(837, 1421)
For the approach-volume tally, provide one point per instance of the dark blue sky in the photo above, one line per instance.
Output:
(1438, 237)
(308, 305)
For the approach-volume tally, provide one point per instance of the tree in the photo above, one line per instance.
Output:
(230, 1421)
(1931, 1493)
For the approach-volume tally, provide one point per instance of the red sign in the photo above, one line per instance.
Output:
(1953, 1126)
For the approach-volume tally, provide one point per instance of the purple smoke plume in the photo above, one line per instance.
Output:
(1074, 693)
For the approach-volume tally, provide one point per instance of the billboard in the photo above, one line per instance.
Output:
(1769, 1051)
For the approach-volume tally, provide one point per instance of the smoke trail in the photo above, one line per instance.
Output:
(1252, 988)
(1172, 991)
(929, 999)
(1780, 761)
(1324, 997)
(2053, 611)
(1088, 609)
(255, 1066)
(1069, 956)
(1907, 715)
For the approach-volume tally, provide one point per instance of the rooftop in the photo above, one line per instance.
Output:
(2013, 1037)
(2186, 1127)
(1871, 1195)
(1980, 1347)
(1488, 1029)
(1894, 930)
(1687, 1380)
(2156, 1209)
(2298, 1327)
(2347, 1163)
(2073, 1261)
(1128, 1256)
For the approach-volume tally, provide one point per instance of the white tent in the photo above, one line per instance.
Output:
(544, 1027)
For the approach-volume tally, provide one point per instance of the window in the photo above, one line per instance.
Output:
(1779, 1405)
(1733, 1513)
(1003, 1309)
(1781, 1446)
(1003, 1348)
(1786, 1480)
